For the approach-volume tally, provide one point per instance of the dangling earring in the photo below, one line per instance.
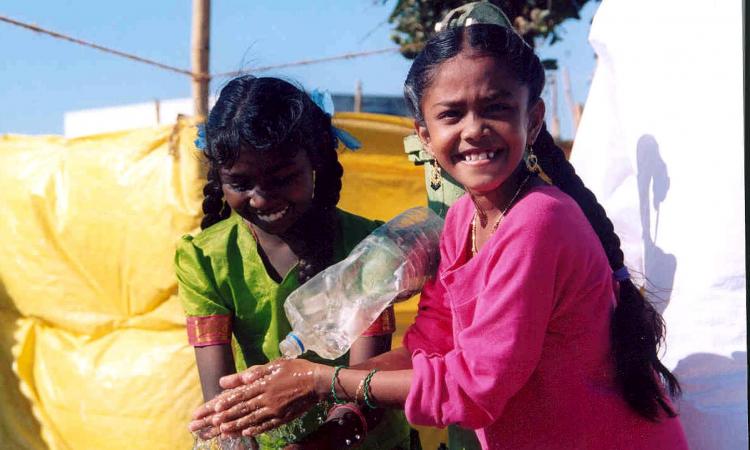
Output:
(436, 179)
(532, 164)
(313, 186)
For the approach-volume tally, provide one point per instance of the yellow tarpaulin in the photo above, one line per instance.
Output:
(93, 349)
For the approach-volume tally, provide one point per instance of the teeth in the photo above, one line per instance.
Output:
(479, 156)
(273, 216)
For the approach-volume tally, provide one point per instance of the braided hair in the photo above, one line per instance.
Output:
(637, 329)
(271, 115)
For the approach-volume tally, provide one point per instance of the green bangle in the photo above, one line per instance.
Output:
(366, 389)
(333, 385)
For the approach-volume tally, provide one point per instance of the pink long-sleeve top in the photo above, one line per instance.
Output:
(515, 341)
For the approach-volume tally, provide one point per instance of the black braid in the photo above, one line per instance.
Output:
(637, 328)
(328, 174)
(214, 207)
(553, 162)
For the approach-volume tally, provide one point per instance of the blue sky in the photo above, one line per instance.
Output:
(41, 77)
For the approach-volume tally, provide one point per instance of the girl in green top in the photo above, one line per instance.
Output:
(270, 224)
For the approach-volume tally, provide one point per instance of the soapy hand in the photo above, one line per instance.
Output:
(258, 399)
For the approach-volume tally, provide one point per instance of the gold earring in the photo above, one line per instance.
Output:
(532, 164)
(436, 179)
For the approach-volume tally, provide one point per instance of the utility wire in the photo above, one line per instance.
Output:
(57, 35)
(307, 62)
(197, 76)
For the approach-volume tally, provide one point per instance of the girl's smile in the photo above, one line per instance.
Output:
(272, 216)
(270, 190)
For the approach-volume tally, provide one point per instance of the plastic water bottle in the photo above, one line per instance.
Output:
(332, 309)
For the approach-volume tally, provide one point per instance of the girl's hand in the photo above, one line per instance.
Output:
(201, 425)
(260, 398)
(203, 416)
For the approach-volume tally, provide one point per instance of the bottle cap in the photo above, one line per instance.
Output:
(291, 346)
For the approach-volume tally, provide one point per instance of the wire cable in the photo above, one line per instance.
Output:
(308, 62)
(38, 29)
(196, 76)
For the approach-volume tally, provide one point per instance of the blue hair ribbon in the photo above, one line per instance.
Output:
(621, 274)
(200, 141)
(324, 101)
(346, 138)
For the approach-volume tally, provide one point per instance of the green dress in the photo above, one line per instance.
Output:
(221, 275)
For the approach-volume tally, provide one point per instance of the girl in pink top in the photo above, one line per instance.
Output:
(520, 335)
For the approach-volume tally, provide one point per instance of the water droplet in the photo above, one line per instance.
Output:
(348, 442)
(357, 437)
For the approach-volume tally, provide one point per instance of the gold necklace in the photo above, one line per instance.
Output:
(474, 249)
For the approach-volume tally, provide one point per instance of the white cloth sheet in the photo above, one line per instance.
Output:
(661, 145)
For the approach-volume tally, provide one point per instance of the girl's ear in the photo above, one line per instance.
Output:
(424, 136)
(536, 120)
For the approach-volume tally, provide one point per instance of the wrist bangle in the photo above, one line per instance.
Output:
(333, 385)
(366, 388)
(359, 390)
(351, 407)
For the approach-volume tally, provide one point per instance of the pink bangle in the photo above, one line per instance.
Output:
(352, 408)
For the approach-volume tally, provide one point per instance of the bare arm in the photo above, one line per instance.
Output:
(397, 359)
(214, 362)
(388, 388)
(367, 347)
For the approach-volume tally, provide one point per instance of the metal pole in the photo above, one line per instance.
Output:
(575, 108)
(199, 56)
(358, 96)
(554, 125)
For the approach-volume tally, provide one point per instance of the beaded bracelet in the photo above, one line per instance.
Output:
(336, 400)
(367, 393)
